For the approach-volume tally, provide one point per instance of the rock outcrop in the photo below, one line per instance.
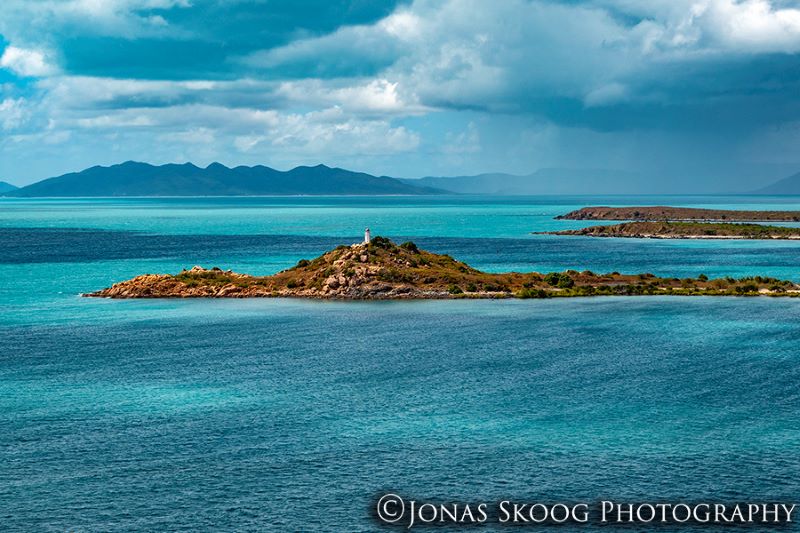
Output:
(382, 270)
(667, 213)
(686, 230)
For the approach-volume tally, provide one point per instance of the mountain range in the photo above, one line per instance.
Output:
(786, 186)
(142, 179)
(543, 181)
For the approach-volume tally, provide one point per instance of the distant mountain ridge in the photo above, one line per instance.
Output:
(142, 179)
(788, 185)
(543, 181)
(7, 187)
(490, 183)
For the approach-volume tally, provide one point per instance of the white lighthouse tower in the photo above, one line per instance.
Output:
(366, 236)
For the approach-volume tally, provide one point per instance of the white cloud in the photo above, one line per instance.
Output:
(40, 138)
(714, 26)
(157, 20)
(170, 118)
(26, 20)
(118, 120)
(375, 43)
(12, 113)
(26, 62)
(473, 54)
(364, 99)
(362, 89)
(198, 113)
(374, 97)
(119, 15)
(607, 94)
(465, 142)
(245, 143)
(497, 56)
(331, 132)
(751, 26)
(378, 95)
(402, 24)
(198, 135)
(85, 91)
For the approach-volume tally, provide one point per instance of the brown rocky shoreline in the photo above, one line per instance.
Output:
(382, 270)
(685, 230)
(677, 214)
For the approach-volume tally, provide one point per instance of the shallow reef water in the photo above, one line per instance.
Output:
(290, 415)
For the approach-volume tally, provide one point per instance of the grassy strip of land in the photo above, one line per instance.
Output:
(384, 270)
(685, 230)
(667, 213)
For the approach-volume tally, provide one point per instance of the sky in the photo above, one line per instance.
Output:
(692, 95)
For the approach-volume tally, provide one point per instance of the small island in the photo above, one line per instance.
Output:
(379, 269)
(684, 230)
(686, 214)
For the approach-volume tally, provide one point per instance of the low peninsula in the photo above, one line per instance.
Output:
(382, 270)
(685, 230)
(676, 214)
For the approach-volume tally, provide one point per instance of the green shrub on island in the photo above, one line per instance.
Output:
(395, 275)
(552, 278)
(410, 246)
(215, 276)
(685, 230)
(385, 271)
(532, 293)
(381, 242)
(562, 281)
(747, 288)
(565, 282)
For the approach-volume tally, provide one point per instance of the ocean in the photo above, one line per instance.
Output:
(292, 415)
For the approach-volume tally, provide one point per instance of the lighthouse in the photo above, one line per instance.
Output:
(366, 236)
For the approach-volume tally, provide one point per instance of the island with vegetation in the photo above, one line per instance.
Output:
(382, 270)
(685, 230)
(667, 213)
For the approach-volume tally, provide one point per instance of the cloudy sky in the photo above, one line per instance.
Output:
(699, 94)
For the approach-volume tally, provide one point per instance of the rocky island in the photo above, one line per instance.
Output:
(382, 270)
(685, 230)
(667, 213)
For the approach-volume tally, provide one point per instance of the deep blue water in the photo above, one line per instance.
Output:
(289, 415)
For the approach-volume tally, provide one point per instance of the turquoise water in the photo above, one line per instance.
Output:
(290, 415)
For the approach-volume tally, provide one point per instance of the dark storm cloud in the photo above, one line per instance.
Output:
(454, 86)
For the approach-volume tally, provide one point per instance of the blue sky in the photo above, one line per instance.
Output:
(699, 94)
